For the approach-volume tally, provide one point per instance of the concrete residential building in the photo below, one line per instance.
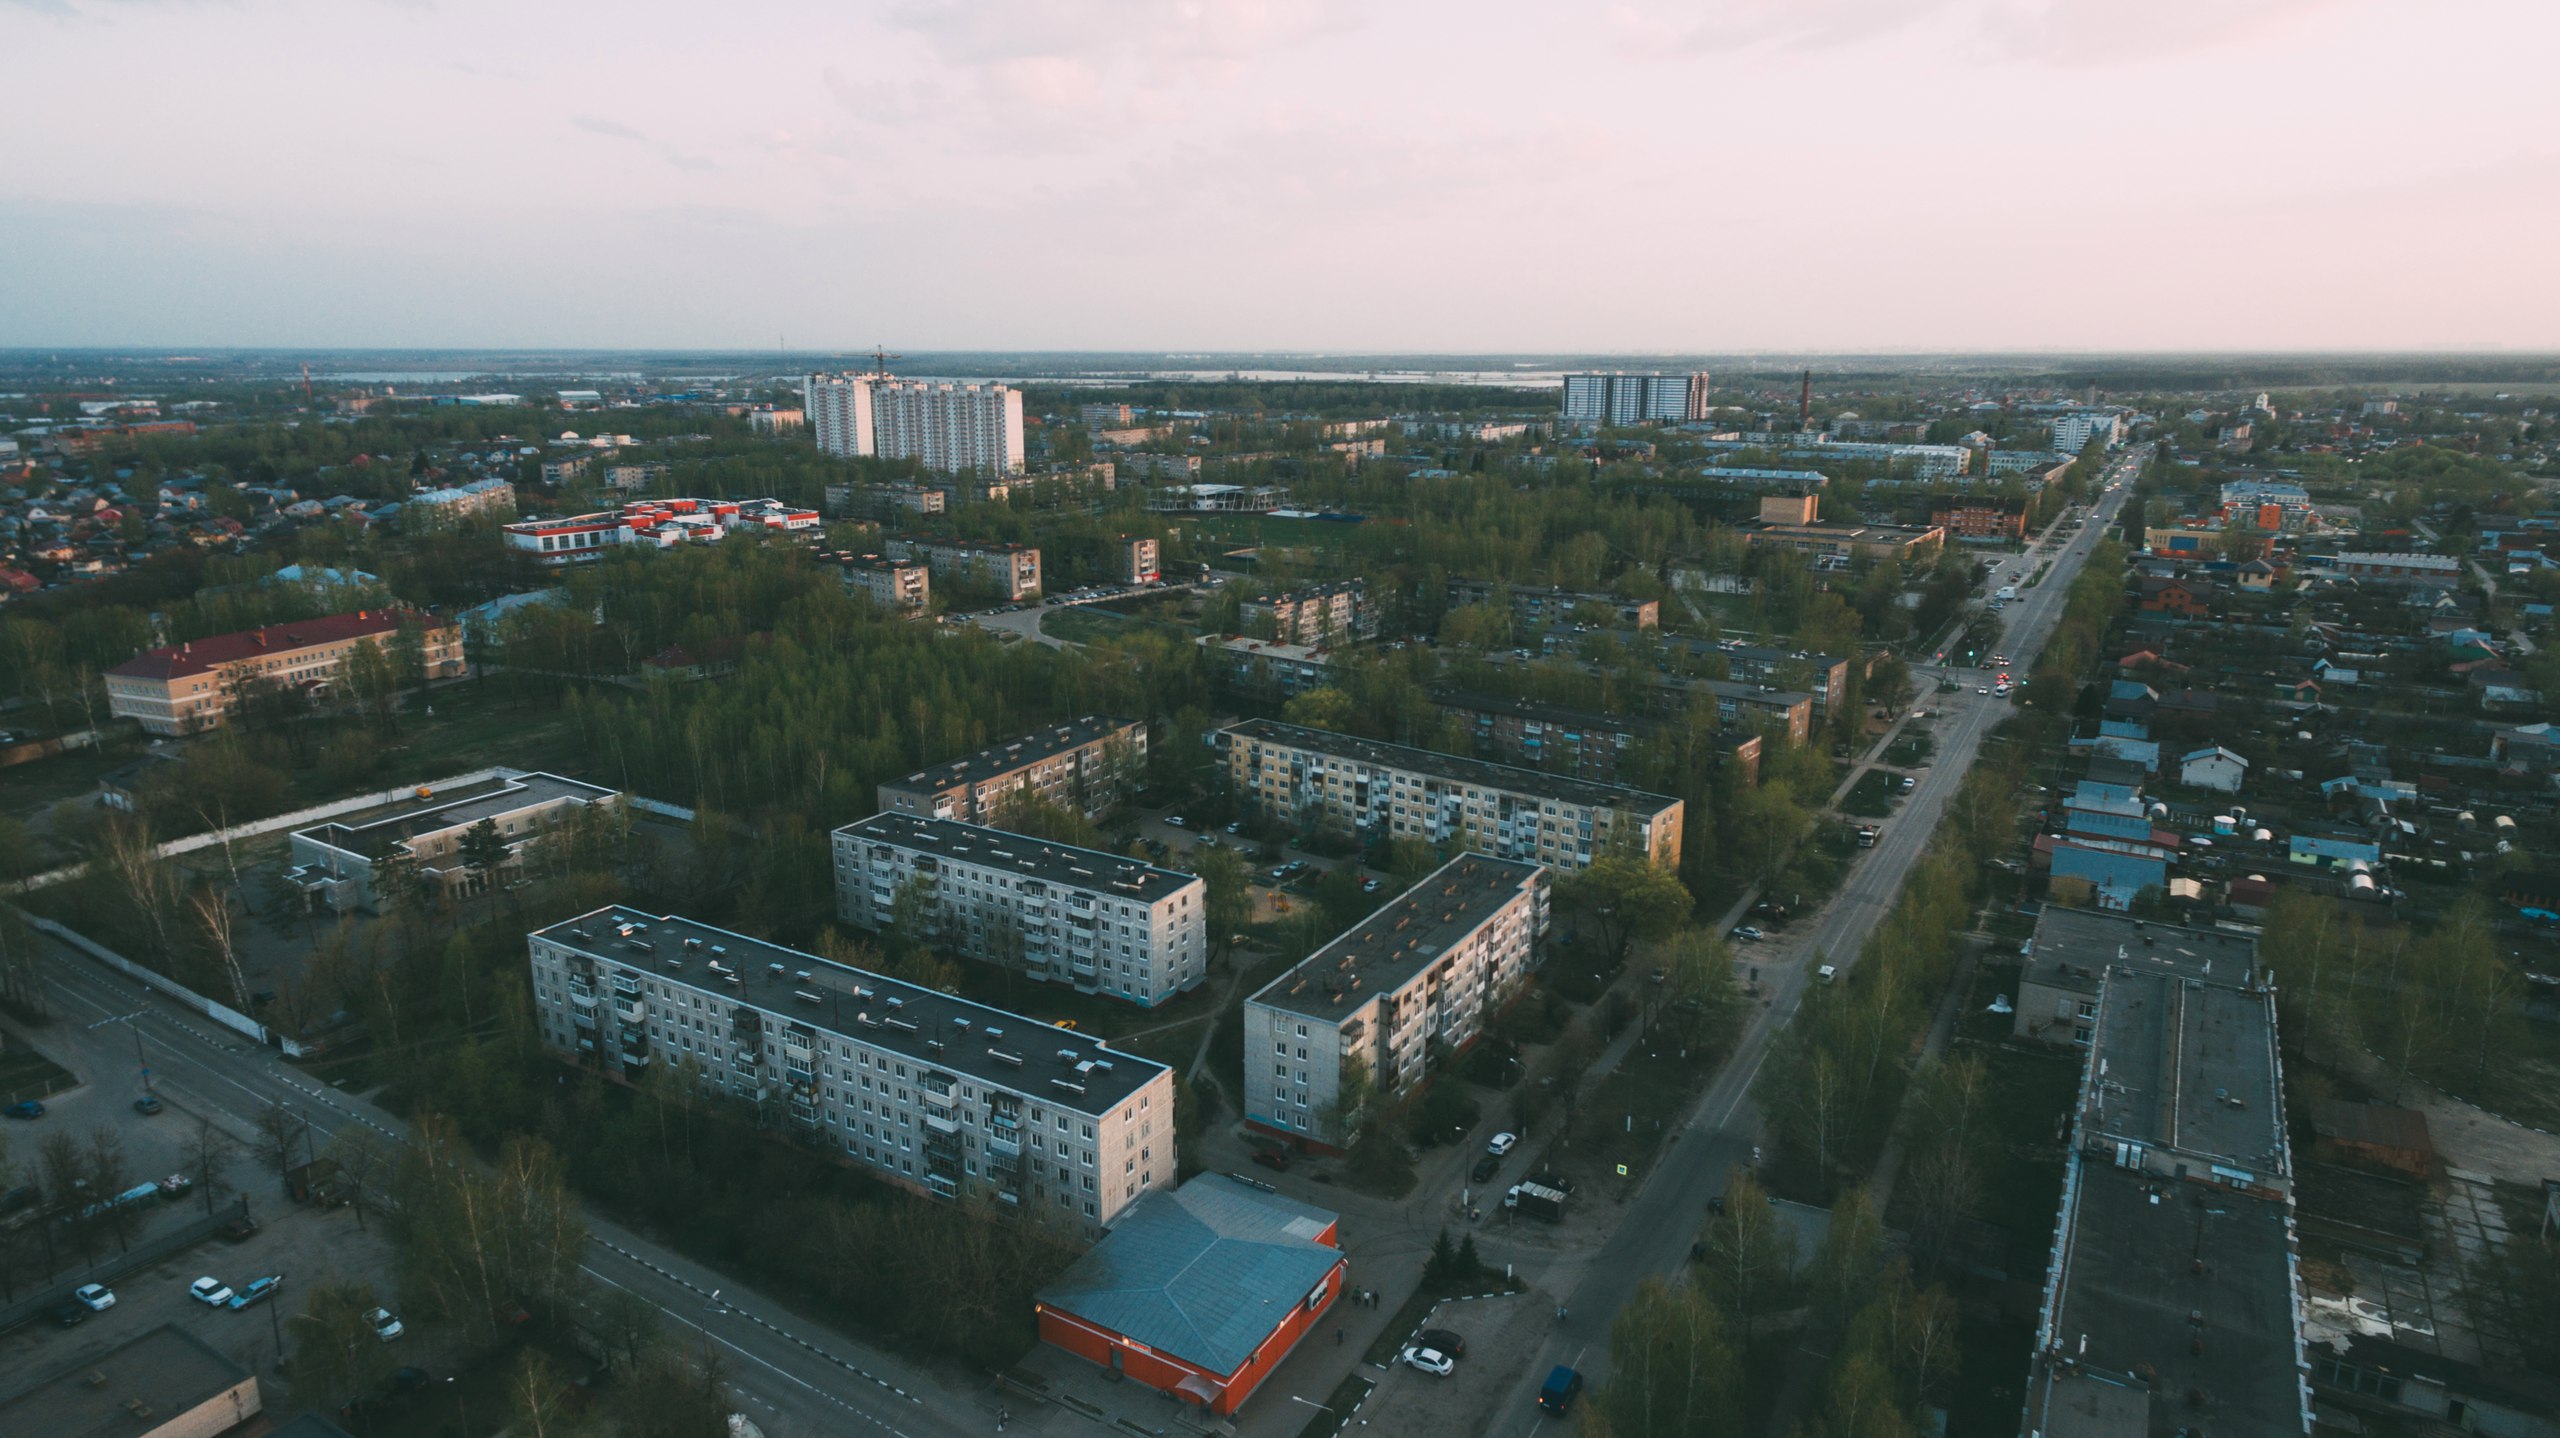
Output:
(2072, 432)
(1980, 517)
(947, 427)
(1793, 522)
(1533, 607)
(163, 1383)
(1317, 614)
(2073, 949)
(1368, 791)
(1055, 913)
(1106, 416)
(1199, 1292)
(1085, 766)
(1266, 670)
(187, 688)
(2173, 1299)
(927, 1091)
(457, 503)
(885, 501)
(1012, 570)
(333, 864)
(1550, 738)
(1180, 468)
(1420, 976)
(1141, 559)
(905, 585)
(1626, 399)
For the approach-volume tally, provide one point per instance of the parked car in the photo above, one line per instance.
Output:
(96, 1297)
(24, 1108)
(1236, 827)
(386, 1325)
(1371, 886)
(68, 1313)
(1430, 1360)
(1500, 1144)
(257, 1291)
(1749, 933)
(1486, 1167)
(239, 1230)
(1176, 820)
(175, 1186)
(148, 1103)
(1272, 1158)
(406, 1380)
(210, 1291)
(1442, 1339)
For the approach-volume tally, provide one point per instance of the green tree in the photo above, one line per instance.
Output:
(484, 851)
(336, 1355)
(1323, 708)
(1750, 1257)
(374, 683)
(1229, 881)
(1672, 1369)
(1628, 899)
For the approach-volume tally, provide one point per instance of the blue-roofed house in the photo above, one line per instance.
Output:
(1199, 1292)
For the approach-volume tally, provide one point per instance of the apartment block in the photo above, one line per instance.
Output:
(1417, 979)
(884, 501)
(1141, 559)
(1106, 416)
(1086, 766)
(1625, 399)
(924, 1090)
(905, 585)
(947, 427)
(1370, 791)
(334, 864)
(1550, 738)
(187, 688)
(1533, 607)
(1052, 912)
(1317, 614)
(1265, 671)
(1012, 570)
(1980, 517)
(1179, 468)
(1792, 522)
(458, 503)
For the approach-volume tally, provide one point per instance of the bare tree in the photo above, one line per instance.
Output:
(144, 878)
(207, 1157)
(218, 922)
(363, 1161)
(282, 1133)
(110, 1173)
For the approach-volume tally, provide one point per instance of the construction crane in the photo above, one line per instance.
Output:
(880, 358)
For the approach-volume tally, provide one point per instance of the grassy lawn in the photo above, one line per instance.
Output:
(1914, 747)
(1625, 1115)
(37, 786)
(1337, 1408)
(1873, 795)
(1083, 624)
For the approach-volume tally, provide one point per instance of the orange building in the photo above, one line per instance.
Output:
(1199, 1292)
(185, 688)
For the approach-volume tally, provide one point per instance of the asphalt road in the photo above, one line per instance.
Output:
(792, 1376)
(1664, 1219)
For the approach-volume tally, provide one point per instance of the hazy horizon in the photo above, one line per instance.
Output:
(1242, 177)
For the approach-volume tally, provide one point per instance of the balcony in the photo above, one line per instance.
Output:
(630, 1011)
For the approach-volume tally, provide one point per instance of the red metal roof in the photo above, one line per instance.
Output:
(203, 656)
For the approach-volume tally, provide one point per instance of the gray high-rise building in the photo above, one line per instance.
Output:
(1635, 398)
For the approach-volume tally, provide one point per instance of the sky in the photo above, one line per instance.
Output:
(1220, 175)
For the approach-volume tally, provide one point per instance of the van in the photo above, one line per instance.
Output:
(1828, 973)
(1556, 1395)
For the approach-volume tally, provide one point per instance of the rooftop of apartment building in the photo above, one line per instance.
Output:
(1478, 702)
(871, 561)
(451, 808)
(131, 1389)
(2074, 948)
(1385, 951)
(1734, 650)
(2172, 1311)
(925, 1026)
(1322, 589)
(1476, 772)
(2187, 1067)
(1763, 695)
(1268, 648)
(1013, 754)
(1021, 854)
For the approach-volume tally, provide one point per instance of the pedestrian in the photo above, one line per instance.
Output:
(1337, 1338)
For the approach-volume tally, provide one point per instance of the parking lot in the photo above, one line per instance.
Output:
(1503, 1336)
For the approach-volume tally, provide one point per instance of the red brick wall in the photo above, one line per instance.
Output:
(1163, 1372)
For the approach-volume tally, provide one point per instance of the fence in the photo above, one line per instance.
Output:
(108, 1269)
(230, 1018)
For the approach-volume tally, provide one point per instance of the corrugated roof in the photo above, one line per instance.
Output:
(203, 656)
(1204, 1273)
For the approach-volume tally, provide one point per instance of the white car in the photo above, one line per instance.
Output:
(385, 1326)
(1430, 1360)
(210, 1291)
(1501, 1143)
(96, 1297)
